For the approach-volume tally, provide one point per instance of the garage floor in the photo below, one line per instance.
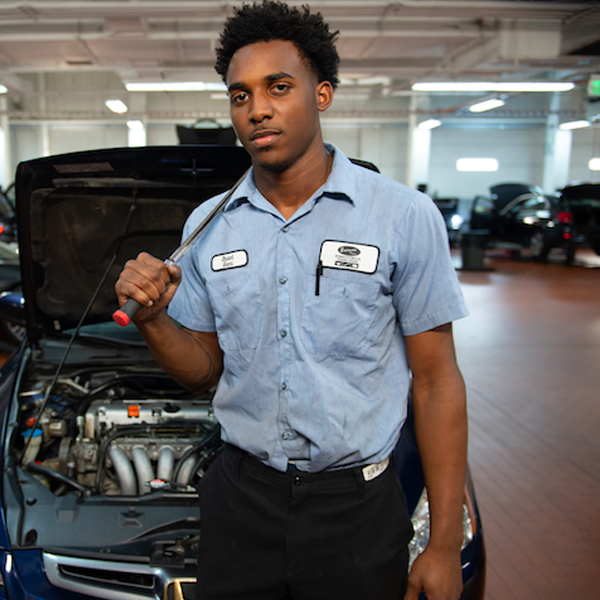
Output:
(530, 353)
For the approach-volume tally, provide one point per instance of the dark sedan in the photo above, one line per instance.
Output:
(102, 451)
(541, 222)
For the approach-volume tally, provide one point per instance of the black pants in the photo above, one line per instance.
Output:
(267, 535)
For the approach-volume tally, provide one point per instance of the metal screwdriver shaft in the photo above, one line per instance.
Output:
(130, 308)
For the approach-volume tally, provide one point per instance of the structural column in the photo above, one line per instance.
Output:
(6, 168)
(557, 151)
(419, 144)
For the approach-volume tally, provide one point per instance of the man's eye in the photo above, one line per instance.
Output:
(238, 98)
(281, 87)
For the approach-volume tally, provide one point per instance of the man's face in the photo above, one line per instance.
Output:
(275, 101)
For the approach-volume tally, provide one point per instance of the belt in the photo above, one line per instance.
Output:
(369, 472)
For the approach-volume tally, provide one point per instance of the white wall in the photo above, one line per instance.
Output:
(161, 135)
(586, 145)
(520, 154)
(384, 146)
(85, 137)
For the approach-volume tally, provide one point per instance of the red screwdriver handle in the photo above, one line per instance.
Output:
(126, 312)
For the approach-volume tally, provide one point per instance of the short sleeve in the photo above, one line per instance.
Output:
(426, 290)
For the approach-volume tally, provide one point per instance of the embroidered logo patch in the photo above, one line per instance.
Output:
(229, 260)
(347, 255)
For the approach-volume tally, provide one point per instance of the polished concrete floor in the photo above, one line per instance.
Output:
(530, 354)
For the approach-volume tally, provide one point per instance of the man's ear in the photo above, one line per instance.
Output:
(324, 95)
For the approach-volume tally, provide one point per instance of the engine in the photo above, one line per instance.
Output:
(118, 446)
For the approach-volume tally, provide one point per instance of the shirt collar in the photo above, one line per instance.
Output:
(340, 185)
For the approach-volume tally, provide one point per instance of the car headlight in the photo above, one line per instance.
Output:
(5, 567)
(456, 221)
(422, 525)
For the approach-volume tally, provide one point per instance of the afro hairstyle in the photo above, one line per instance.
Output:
(269, 21)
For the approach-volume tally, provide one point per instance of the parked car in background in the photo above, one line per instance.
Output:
(541, 222)
(486, 210)
(102, 451)
(582, 202)
(10, 271)
(449, 207)
(12, 330)
(8, 217)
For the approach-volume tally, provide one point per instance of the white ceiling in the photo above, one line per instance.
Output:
(94, 47)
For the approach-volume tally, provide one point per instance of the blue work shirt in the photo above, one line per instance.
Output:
(311, 312)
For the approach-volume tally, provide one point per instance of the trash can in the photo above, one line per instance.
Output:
(473, 244)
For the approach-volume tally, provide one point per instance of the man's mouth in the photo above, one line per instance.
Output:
(264, 137)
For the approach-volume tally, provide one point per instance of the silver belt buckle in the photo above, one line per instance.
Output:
(372, 471)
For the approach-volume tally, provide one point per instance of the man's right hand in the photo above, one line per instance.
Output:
(148, 281)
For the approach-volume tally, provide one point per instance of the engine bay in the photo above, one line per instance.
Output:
(105, 457)
(100, 434)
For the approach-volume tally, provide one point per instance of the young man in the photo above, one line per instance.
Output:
(309, 301)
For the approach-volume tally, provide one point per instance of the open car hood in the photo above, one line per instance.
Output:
(72, 214)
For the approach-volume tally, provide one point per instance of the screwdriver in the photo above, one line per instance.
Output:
(123, 315)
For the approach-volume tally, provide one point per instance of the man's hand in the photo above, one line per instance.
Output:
(148, 281)
(436, 573)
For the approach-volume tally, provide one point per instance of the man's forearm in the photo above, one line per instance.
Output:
(441, 428)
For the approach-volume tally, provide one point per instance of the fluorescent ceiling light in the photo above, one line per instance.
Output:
(574, 125)
(117, 106)
(175, 86)
(135, 125)
(429, 124)
(594, 164)
(3, 89)
(486, 105)
(477, 165)
(374, 81)
(481, 86)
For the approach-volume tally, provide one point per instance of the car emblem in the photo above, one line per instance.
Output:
(180, 589)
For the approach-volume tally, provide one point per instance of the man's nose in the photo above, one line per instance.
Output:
(261, 108)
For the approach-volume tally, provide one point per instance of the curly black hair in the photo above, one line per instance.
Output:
(270, 21)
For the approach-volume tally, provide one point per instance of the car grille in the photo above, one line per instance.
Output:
(115, 580)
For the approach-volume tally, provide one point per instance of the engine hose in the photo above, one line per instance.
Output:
(33, 467)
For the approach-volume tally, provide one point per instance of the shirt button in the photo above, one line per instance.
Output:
(285, 229)
(284, 386)
(283, 280)
(283, 333)
(286, 436)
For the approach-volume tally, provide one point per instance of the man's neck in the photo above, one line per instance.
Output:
(287, 191)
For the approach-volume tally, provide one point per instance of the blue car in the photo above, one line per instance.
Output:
(102, 451)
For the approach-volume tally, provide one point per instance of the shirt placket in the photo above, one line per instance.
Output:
(284, 274)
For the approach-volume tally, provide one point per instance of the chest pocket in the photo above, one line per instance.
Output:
(339, 319)
(238, 307)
